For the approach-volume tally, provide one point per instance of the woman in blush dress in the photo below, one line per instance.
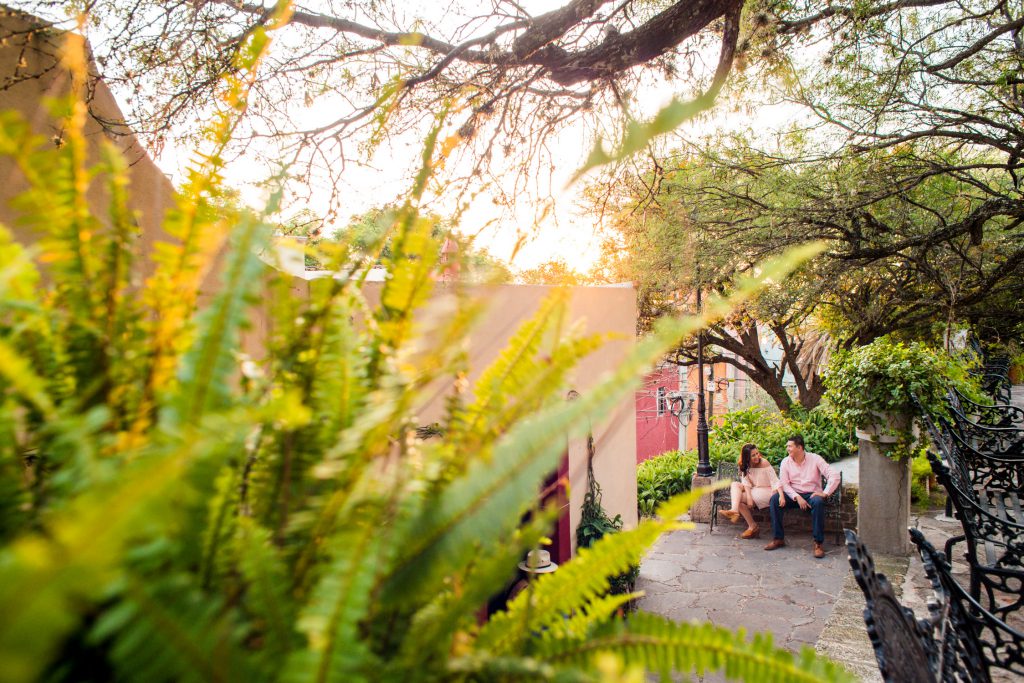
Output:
(757, 483)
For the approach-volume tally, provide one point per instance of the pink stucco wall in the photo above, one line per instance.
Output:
(656, 433)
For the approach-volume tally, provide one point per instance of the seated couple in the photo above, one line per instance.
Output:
(798, 485)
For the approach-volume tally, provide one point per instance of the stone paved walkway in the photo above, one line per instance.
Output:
(735, 583)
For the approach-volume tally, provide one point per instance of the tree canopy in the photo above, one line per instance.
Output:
(345, 77)
(906, 163)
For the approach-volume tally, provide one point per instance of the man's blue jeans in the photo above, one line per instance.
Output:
(817, 515)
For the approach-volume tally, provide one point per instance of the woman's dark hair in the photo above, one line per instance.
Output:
(744, 461)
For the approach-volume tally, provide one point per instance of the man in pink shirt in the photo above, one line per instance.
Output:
(800, 475)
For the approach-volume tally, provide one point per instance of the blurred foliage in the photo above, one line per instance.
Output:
(769, 430)
(924, 489)
(175, 510)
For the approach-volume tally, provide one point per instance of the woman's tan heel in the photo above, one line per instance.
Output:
(752, 532)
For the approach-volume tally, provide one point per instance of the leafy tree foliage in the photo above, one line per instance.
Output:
(909, 171)
(663, 246)
(554, 272)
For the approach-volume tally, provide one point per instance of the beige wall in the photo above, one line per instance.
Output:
(30, 72)
(600, 310)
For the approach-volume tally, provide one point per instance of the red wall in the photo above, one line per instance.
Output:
(656, 434)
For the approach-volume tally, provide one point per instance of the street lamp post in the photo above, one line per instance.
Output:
(703, 458)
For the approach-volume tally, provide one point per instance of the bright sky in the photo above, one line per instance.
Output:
(566, 232)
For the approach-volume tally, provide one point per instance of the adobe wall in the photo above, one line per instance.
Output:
(600, 310)
(29, 73)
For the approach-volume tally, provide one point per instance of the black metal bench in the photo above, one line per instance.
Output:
(995, 415)
(972, 633)
(722, 499)
(959, 640)
(1002, 441)
(730, 471)
(993, 524)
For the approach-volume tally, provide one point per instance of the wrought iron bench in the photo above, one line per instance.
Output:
(959, 640)
(986, 439)
(993, 525)
(1001, 471)
(722, 500)
(995, 415)
(974, 634)
(730, 471)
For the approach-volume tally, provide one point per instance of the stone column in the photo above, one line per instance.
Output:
(701, 510)
(883, 505)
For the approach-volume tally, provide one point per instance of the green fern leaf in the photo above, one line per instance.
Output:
(659, 644)
(205, 374)
(165, 629)
(267, 600)
(340, 600)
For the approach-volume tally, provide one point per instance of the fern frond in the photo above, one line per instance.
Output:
(340, 600)
(46, 580)
(491, 496)
(205, 372)
(266, 599)
(580, 582)
(490, 668)
(19, 376)
(220, 524)
(596, 612)
(440, 628)
(662, 645)
(165, 629)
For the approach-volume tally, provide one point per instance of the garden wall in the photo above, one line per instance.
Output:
(30, 73)
(798, 521)
(610, 311)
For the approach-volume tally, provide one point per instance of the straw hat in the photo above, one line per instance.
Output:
(538, 562)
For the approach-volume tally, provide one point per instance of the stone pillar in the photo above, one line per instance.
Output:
(883, 509)
(701, 510)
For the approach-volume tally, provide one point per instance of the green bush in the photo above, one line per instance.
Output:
(884, 377)
(822, 433)
(661, 477)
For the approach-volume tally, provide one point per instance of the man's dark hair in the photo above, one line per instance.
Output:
(797, 439)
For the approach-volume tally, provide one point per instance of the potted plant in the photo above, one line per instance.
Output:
(872, 389)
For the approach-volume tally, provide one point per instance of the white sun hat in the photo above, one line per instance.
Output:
(538, 562)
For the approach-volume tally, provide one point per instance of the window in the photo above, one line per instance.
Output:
(662, 402)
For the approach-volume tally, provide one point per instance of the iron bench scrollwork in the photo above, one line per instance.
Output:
(996, 415)
(1005, 441)
(959, 640)
(975, 640)
(905, 647)
(722, 500)
(993, 526)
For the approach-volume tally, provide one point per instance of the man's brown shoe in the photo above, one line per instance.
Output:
(776, 543)
(819, 552)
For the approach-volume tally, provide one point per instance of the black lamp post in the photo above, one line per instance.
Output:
(703, 458)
